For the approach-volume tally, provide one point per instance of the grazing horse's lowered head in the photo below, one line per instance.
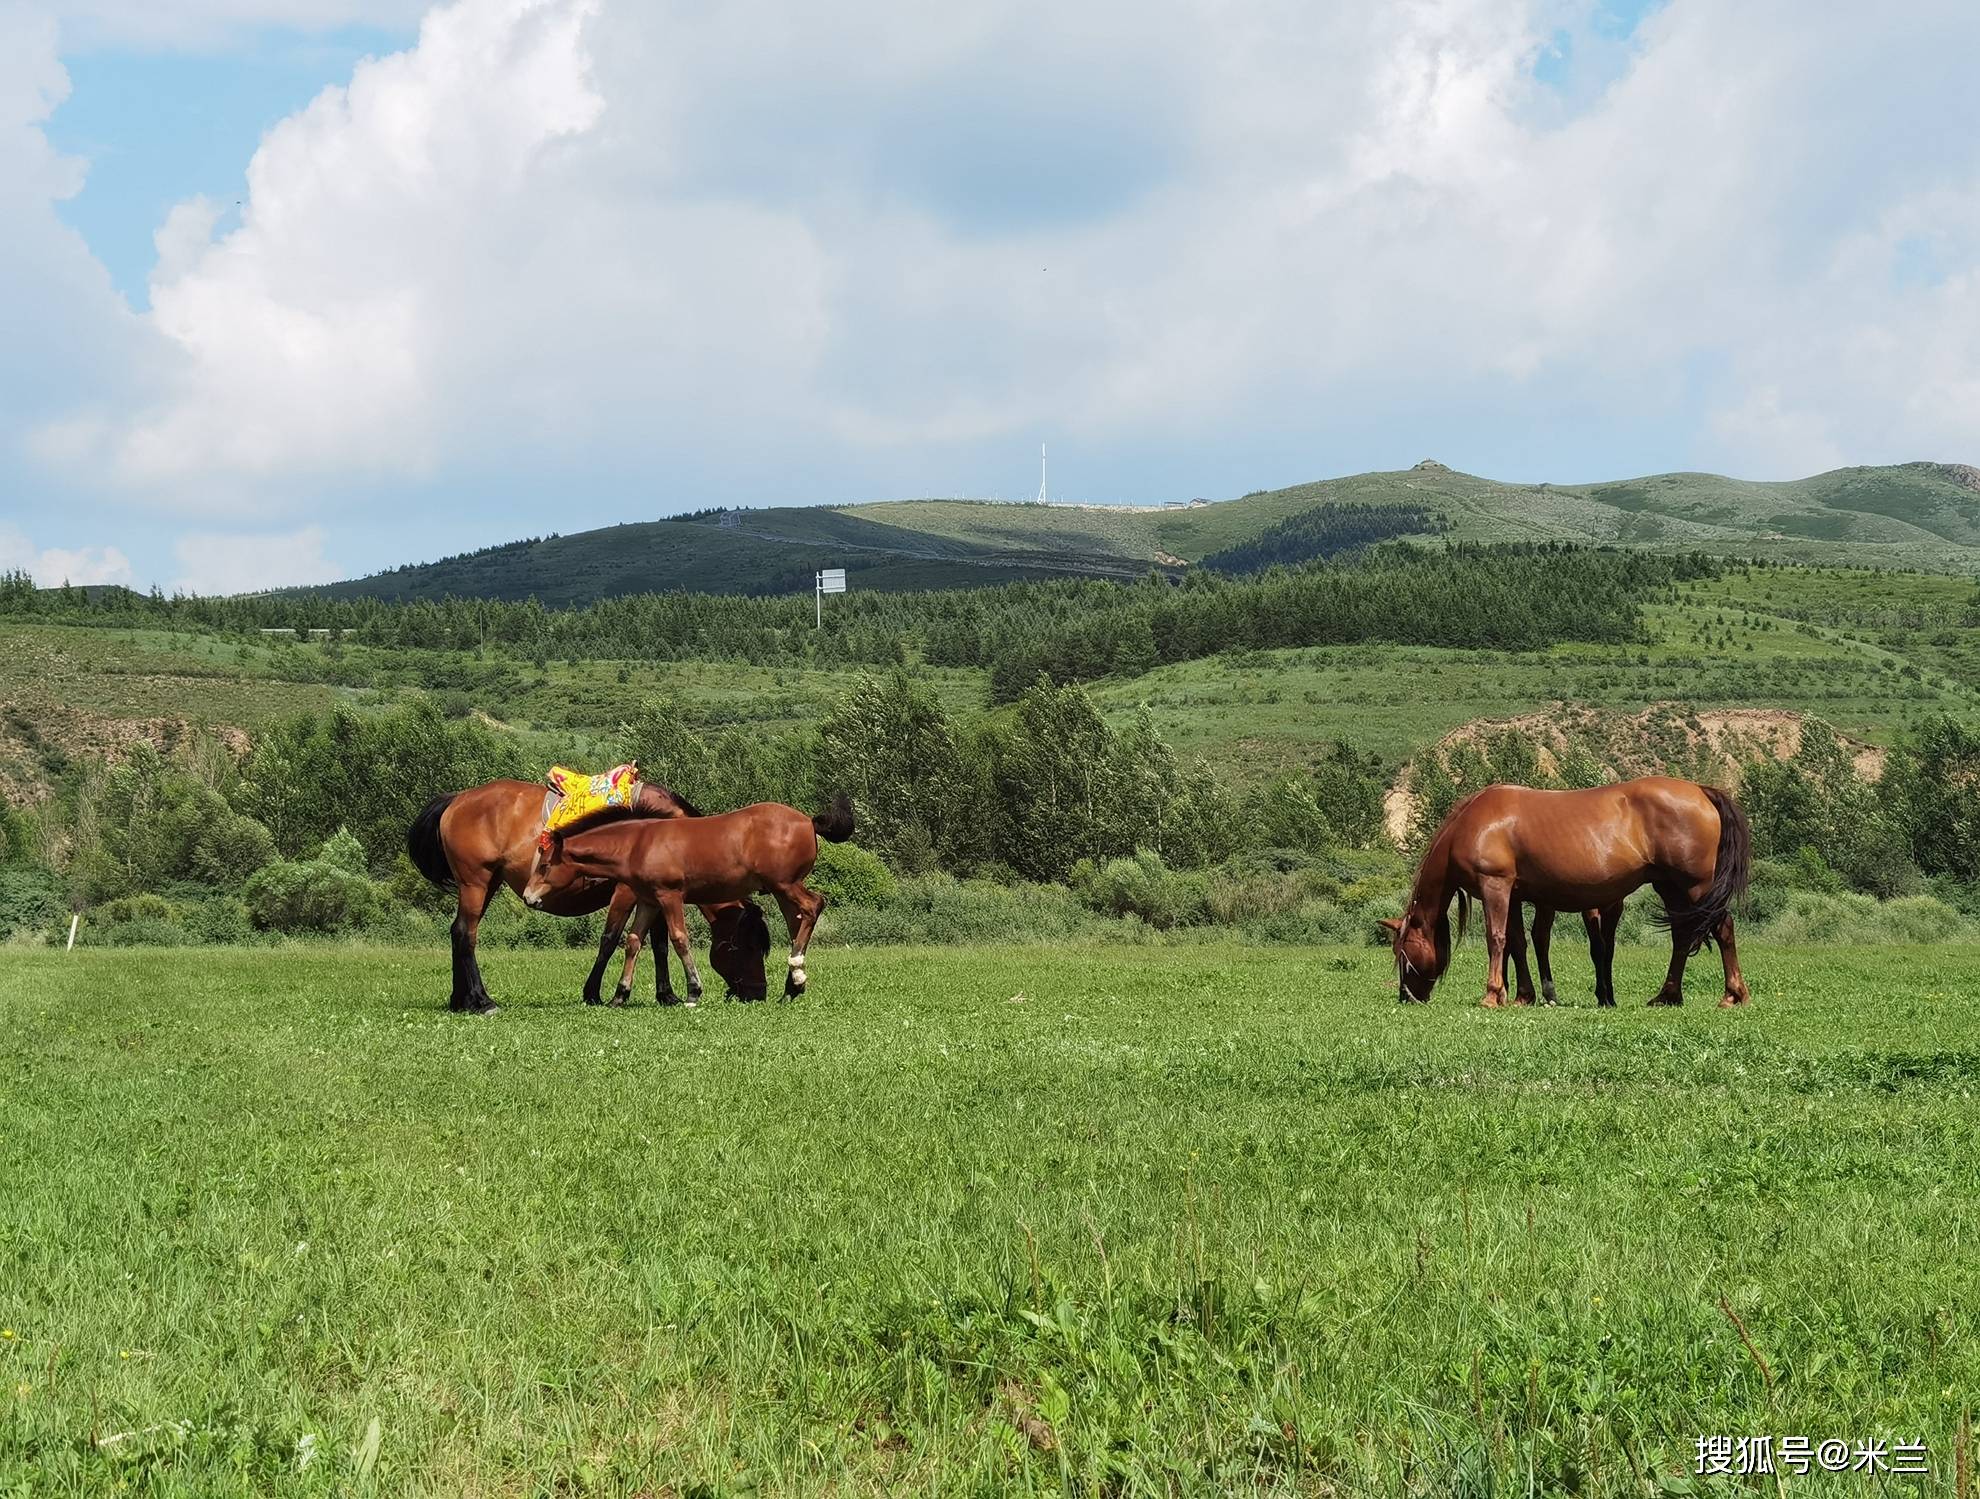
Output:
(1422, 946)
(739, 942)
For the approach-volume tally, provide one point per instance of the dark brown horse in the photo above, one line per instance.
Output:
(1579, 851)
(476, 841)
(669, 865)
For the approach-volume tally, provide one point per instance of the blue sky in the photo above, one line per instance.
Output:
(310, 287)
(161, 125)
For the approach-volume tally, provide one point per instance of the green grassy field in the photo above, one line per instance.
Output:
(1164, 1221)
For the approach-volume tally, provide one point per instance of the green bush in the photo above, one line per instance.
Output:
(140, 932)
(938, 909)
(848, 875)
(1860, 921)
(32, 901)
(311, 896)
(219, 921)
(231, 848)
(1143, 887)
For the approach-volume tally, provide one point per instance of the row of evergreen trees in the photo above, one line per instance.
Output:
(1509, 597)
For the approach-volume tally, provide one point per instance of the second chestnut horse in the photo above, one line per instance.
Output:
(669, 865)
(1579, 851)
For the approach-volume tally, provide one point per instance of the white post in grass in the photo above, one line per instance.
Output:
(831, 580)
(75, 919)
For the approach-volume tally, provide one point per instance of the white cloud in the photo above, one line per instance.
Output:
(53, 566)
(219, 562)
(572, 238)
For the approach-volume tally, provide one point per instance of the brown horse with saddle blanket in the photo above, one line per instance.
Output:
(1579, 851)
(669, 865)
(478, 840)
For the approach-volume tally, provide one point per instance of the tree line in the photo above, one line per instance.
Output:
(1069, 630)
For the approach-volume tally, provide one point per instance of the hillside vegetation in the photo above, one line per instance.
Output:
(1244, 754)
(1923, 516)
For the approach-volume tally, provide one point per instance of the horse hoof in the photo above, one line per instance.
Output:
(1666, 999)
(593, 999)
(1734, 1001)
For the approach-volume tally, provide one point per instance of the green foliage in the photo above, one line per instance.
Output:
(1326, 530)
(322, 894)
(371, 774)
(1814, 807)
(150, 821)
(18, 843)
(1940, 789)
(848, 875)
(343, 851)
(918, 786)
(32, 902)
(1143, 887)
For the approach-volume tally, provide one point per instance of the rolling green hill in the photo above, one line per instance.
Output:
(1914, 515)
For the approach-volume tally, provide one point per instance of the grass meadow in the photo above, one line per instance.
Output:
(1056, 1219)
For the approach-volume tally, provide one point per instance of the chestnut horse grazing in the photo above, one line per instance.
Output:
(668, 865)
(1579, 851)
(478, 840)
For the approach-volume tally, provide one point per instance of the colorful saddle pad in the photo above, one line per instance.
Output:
(575, 797)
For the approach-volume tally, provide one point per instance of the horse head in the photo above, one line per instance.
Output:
(739, 942)
(1420, 956)
(543, 879)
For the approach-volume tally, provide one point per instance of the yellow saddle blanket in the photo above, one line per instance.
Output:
(575, 796)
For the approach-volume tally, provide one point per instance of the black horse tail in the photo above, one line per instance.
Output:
(1693, 926)
(835, 826)
(423, 843)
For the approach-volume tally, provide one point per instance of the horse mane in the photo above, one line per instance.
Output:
(1439, 845)
(688, 808)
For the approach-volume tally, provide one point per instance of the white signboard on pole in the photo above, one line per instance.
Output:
(830, 580)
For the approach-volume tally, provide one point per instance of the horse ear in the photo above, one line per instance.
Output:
(1392, 925)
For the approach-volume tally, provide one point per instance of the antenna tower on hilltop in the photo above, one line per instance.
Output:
(1041, 474)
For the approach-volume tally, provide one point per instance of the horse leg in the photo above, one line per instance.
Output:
(1675, 898)
(1516, 952)
(615, 927)
(470, 995)
(801, 907)
(674, 908)
(1496, 896)
(1601, 927)
(642, 918)
(1543, 937)
(1735, 983)
(663, 969)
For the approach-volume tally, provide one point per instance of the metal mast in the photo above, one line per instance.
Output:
(1041, 473)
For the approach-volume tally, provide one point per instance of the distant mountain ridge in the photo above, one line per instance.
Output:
(1924, 516)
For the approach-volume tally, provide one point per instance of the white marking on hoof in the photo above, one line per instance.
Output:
(1547, 993)
(797, 962)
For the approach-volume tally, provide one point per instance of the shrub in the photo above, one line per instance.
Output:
(31, 901)
(1144, 887)
(311, 896)
(848, 875)
(939, 908)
